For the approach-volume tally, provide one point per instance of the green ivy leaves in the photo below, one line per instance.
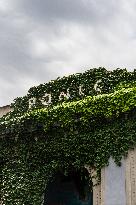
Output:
(43, 141)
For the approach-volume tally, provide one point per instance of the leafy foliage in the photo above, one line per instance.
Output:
(81, 132)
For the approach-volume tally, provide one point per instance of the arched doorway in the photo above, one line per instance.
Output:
(73, 189)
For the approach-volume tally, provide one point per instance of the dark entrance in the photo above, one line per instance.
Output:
(73, 189)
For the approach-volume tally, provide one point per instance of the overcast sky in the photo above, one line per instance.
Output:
(43, 39)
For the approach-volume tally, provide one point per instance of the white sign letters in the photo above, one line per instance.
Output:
(46, 99)
(64, 95)
(32, 102)
(80, 90)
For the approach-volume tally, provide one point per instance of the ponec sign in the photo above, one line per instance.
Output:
(46, 99)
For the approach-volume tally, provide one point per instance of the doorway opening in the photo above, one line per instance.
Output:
(73, 189)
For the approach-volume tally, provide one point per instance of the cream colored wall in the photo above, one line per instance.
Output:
(96, 187)
(4, 110)
(97, 195)
(131, 177)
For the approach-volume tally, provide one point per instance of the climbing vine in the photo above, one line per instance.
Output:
(82, 131)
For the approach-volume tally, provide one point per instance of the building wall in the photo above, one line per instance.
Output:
(118, 184)
(114, 192)
(4, 110)
(131, 177)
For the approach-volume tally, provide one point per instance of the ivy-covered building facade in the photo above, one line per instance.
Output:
(71, 141)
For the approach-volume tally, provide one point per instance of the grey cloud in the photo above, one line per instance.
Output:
(82, 11)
